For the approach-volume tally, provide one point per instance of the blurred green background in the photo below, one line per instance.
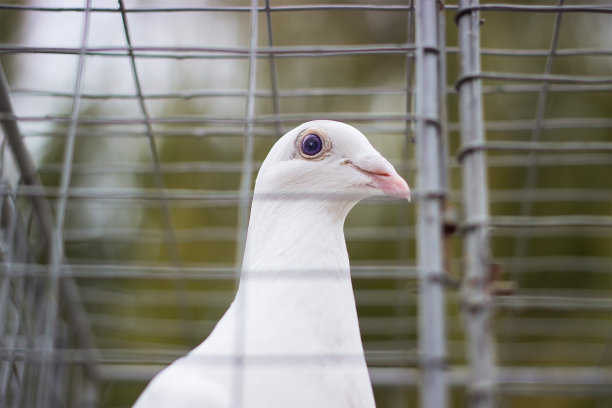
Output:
(560, 315)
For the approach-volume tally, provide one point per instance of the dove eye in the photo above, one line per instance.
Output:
(312, 144)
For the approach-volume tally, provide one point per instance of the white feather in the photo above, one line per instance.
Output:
(291, 337)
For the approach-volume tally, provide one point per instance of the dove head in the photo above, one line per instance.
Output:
(306, 186)
(326, 159)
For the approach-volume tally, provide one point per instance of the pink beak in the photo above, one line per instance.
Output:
(383, 176)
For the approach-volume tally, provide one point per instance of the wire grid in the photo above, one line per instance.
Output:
(131, 248)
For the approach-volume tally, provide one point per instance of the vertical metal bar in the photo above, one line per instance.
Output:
(14, 253)
(531, 175)
(475, 296)
(244, 204)
(532, 170)
(401, 285)
(443, 145)
(23, 291)
(409, 125)
(8, 335)
(169, 234)
(27, 170)
(430, 254)
(51, 314)
(273, 74)
(246, 178)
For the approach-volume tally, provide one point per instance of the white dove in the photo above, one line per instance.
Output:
(291, 338)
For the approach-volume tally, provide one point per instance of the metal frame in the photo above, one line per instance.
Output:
(425, 51)
(476, 297)
(432, 187)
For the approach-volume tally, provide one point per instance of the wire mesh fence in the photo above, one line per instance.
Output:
(132, 131)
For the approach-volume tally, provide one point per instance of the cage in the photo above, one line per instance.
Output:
(132, 132)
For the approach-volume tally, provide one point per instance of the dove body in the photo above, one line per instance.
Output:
(291, 337)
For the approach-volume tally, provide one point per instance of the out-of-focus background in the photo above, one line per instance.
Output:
(146, 122)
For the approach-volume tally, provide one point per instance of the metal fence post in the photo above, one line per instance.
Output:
(475, 296)
(431, 176)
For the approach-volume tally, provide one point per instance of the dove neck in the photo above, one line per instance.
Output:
(296, 281)
(295, 295)
(289, 237)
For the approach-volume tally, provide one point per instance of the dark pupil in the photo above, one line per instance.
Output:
(312, 144)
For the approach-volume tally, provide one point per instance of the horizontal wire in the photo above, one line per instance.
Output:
(567, 303)
(128, 271)
(142, 365)
(300, 93)
(546, 78)
(503, 228)
(595, 8)
(529, 376)
(149, 326)
(575, 147)
(220, 234)
(233, 196)
(373, 270)
(207, 93)
(457, 376)
(547, 222)
(182, 52)
(205, 167)
(199, 120)
(539, 330)
(551, 221)
(318, 7)
(193, 52)
(555, 123)
(453, 197)
(561, 52)
(97, 295)
(107, 193)
(283, 8)
(74, 356)
(562, 263)
(374, 357)
(560, 327)
(594, 331)
(360, 117)
(390, 129)
(220, 298)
